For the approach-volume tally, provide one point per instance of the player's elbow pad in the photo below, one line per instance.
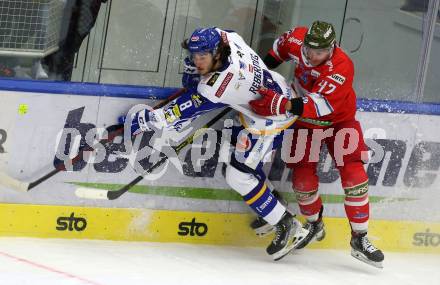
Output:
(297, 106)
(271, 61)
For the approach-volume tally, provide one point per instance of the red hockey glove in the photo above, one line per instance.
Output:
(271, 103)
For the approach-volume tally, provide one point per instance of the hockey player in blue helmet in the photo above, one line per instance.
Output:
(203, 45)
(222, 70)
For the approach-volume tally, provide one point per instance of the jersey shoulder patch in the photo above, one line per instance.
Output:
(213, 86)
(211, 81)
(338, 78)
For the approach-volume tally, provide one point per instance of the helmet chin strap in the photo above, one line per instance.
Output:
(331, 51)
(304, 57)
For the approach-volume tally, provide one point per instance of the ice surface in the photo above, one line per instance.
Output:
(60, 262)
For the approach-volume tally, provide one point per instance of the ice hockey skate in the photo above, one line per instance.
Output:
(365, 251)
(288, 233)
(316, 231)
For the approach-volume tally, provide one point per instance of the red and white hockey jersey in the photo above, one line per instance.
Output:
(327, 89)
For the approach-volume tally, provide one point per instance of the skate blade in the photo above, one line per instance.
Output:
(264, 230)
(363, 258)
(318, 237)
(297, 238)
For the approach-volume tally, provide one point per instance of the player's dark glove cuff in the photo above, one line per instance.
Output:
(297, 106)
(271, 62)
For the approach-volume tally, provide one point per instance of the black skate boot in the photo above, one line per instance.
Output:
(316, 231)
(364, 250)
(260, 226)
(289, 232)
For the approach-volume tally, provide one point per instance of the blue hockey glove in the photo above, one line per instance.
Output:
(145, 120)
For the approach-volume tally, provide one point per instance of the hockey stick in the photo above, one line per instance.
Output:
(113, 131)
(93, 193)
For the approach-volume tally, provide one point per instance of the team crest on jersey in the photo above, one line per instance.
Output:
(251, 68)
(224, 84)
(194, 38)
(240, 54)
(213, 79)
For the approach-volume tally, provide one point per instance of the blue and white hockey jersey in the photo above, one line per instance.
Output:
(234, 85)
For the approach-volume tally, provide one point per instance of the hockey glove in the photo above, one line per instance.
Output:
(271, 103)
(144, 120)
(191, 77)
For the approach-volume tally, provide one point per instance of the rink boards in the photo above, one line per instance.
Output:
(195, 227)
(197, 206)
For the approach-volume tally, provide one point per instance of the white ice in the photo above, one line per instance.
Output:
(62, 262)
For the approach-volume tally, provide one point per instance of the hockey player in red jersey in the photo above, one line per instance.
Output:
(323, 78)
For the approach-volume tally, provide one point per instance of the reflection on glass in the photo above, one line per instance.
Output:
(387, 54)
(432, 83)
(137, 42)
(39, 39)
